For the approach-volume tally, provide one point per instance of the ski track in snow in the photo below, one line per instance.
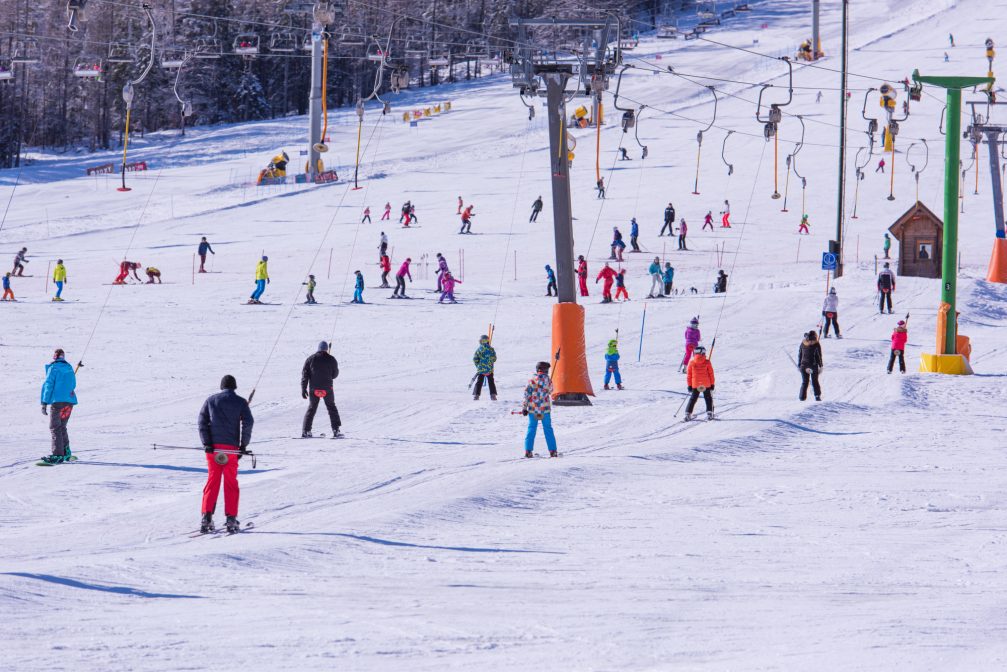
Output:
(862, 532)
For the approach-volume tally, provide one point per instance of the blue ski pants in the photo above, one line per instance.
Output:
(610, 372)
(358, 296)
(59, 288)
(260, 287)
(550, 438)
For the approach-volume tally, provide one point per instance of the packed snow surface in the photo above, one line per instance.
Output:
(860, 532)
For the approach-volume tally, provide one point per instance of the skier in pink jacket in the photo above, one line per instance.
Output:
(692, 337)
(899, 338)
(448, 283)
(400, 280)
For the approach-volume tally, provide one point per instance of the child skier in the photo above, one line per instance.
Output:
(881, 166)
(367, 215)
(386, 268)
(669, 278)
(358, 288)
(550, 278)
(19, 262)
(448, 284)
(442, 269)
(582, 274)
(830, 311)
(388, 212)
(725, 219)
(153, 275)
(8, 293)
(809, 361)
(802, 228)
(484, 359)
(538, 407)
(608, 274)
(600, 186)
(461, 204)
(261, 279)
(203, 249)
(620, 285)
(404, 213)
(708, 220)
(899, 338)
(617, 244)
(692, 338)
(225, 424)
(655, 278)
(700, 380)
(720, 285)
(310, 297)
(683, 230)
(59, 277)
(400, 280)
(612, 365)
(887, 246)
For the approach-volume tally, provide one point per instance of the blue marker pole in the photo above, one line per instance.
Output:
(639, 353)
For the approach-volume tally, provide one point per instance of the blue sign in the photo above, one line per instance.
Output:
(829, 261)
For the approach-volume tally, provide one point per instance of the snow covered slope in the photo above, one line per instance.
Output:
(862, 532)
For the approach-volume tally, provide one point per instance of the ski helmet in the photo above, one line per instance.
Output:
(265, 258)
(694, 322)
(902, 323)
(699, 350)
(323, 347)
(542, 367)
(832, 290)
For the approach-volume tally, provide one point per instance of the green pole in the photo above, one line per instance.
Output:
(952, 149)
(949, 258)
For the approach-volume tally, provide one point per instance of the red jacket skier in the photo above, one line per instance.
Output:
(400, 279)
(608, 274)
(582, 274)
(124, 270)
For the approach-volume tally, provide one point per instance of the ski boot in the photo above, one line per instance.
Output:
(232, 525)
(619, 386)
(306, 435)
(818, 397)
(839, 336)
(336, 434)
(475, 397)
(53, 459)
(553, 453)
(607, 387)
(710, 415)
(528, 453)
(206, 525)
(688, 417)
(493, 397)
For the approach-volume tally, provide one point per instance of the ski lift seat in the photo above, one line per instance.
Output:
(246, 44)
(6, 71)
(283, 42)
(207, 48)
(376, 54)
(87, 68)
(628, 120)
(439, 61)
(119, 52)
(26, 51)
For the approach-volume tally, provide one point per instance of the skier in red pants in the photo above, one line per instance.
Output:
(124, 269)
(225, 429)
(608, 275)
(582, 274)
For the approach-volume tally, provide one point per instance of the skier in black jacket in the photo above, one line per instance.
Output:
(669, 220)
(225, 425)
(320, 369)
(809, 361)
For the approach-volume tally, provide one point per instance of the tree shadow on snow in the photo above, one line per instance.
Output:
(120, 590)
(793, 425)
(405, 544)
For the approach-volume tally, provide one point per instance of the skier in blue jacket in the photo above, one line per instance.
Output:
(59, 391)
(612, 365)
(634, 231)
(358, 288)
(550, 277)
(669, 278)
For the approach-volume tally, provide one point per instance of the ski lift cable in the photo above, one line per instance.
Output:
(601, 207)
(510, 233)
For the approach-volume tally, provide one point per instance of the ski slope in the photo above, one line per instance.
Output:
(861, 532)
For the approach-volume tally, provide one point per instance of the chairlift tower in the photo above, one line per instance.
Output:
(543, 71)
(322, 15)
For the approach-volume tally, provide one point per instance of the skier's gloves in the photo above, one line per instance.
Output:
(304, 393)
(45, 411)
(207, 449)
(242, 452)
(524, 411)
(690, 388)
(711, 387)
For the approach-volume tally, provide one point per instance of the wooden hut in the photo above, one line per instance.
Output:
(921, 242)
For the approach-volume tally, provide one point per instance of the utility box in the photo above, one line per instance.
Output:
(921, 242)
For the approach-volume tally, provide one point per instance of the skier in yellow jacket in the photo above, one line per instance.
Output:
(261, 280)
(59, 277)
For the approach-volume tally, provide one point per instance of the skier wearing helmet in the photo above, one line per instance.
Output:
(700, 380)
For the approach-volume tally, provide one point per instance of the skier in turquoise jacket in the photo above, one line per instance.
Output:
(59, 392)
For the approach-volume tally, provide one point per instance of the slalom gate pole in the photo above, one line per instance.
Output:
(328, 274)
(193, 268)
(47, 274)
(643, 323)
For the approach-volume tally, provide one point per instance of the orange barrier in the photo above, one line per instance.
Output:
(998, 262)
(571, 373)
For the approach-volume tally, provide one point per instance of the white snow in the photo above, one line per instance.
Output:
(862, 532)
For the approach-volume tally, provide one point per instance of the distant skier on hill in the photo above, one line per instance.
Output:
(485, 359)
(59, 391)
(617, 244)
(59, 277)
(448, 284)
(708, 220)
(461, 204)
(550, 278)
(400, 280)
(802, 228)
(607, 273)
(367, 215)
(442, 268)
(310, 295)
(899, 337)
(153, 275)
(634, 233)
(536, 208)
(225, 425)
(386, 268)
(692, 338)
(467, 216)
(261, 279)
(387, 214)
(809, 361)
(582, 275)
(669, 221)
(125, 268)
(317, 375)
(358, 287)
(383, 246)
(887, 246)
(204, 248)
(700, 380)
(830, 311)
(19, 262)
(886, 287)
(683, 230)
(669, 278)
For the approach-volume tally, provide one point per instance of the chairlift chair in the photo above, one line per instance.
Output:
(246, 44)
(120, 52)
(25, 51)
(351, 39)
(306, 43)
(6, 70)
(399, 78)
(439, 60)
(376, 53)
(667, 33)
(298, 7)
(283, 42)
(88, 67)
(173, 58)
(477, 49)
(208, 48)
